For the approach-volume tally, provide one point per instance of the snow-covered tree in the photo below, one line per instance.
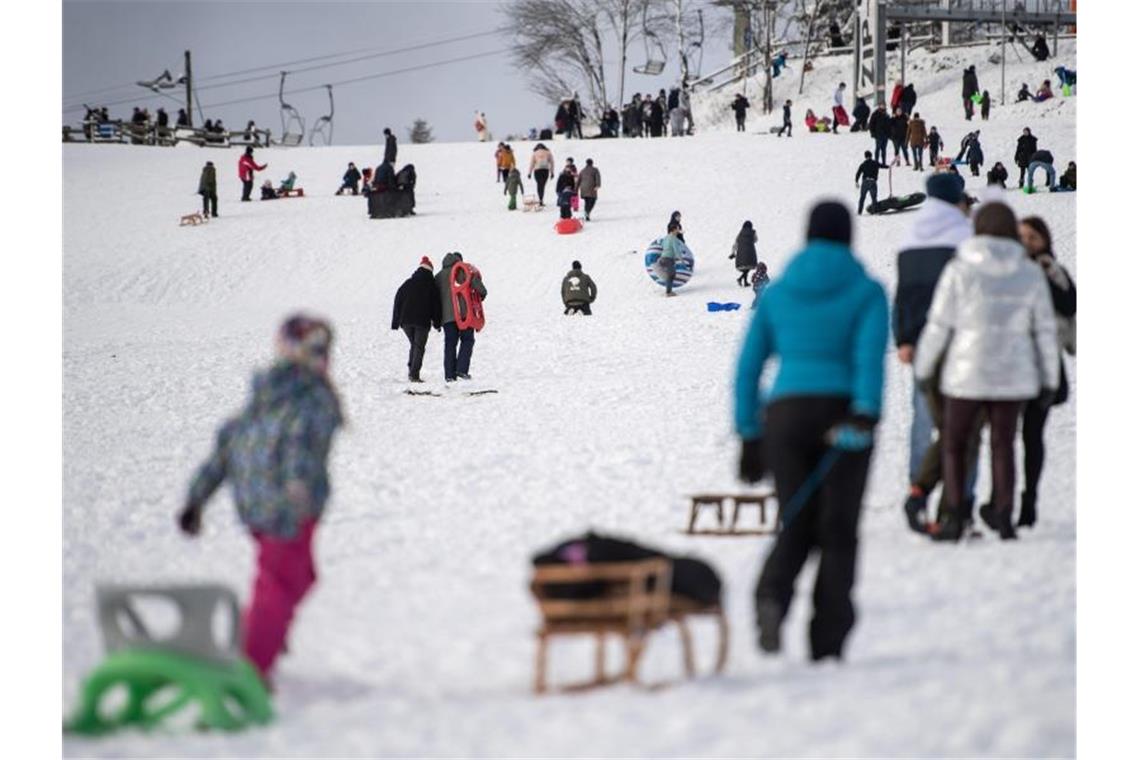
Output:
(420, 132)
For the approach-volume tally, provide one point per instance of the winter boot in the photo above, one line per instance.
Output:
(414, 378)
(989, 517)
(769, 616)
(1028, 516)
(915, 508)
(948, 528)
(1005, 525)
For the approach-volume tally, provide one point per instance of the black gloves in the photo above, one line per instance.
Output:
(752, 464)
(190, 520)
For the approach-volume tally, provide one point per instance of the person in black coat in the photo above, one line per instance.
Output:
(909, 99)
(163, 118)
(389, 146)
(997, 175)
(744, 251)
(351, 180)
(974, 155)
(417, 309)
(986, 105)
(934, 144)
(1040, 48)
(879, 126)
(382, 199)
(1026, 147)
(1024, 93)
(969, 87)
(899, 124)
(868, 172)
(860, 113)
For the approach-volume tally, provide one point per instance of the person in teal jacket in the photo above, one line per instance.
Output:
(826, 320)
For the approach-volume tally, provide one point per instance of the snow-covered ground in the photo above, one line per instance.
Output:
(418, 639)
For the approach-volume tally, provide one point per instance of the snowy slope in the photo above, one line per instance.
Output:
(418, 638)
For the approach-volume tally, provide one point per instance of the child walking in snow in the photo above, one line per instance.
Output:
(760, 281)
(275, 454)
(514, 185)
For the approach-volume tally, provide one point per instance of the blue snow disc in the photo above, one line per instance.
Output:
(685, 264)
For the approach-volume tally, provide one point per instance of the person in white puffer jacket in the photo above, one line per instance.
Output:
(992, 329)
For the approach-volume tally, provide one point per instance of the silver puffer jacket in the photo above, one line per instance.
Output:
(991, 325)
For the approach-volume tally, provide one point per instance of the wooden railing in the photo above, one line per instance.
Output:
(148, 133)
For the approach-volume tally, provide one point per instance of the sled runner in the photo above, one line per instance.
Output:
(193, 219)
(759, 500)
(635, 601)
(465, 301)
(437, 394)
(530, 203)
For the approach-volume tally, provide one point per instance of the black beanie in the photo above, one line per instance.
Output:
(830, 220)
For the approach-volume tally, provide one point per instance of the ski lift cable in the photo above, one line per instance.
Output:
(365, 78)
(375, 53)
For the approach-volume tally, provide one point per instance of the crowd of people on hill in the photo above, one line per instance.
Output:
(661, 116)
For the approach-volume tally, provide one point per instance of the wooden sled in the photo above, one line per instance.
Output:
(637, 602)
(530, 203)
(297, 192)
(193, 219)
(738, 502)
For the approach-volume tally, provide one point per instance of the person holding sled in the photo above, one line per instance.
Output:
(868, 171)
(246, 167)
(208, 189)
(990, 346)
(744, 251)
(838, 113)
(275, 456)
(740, 106)
(815, 428)
(1038, 242)
(541, 165)
(416, 310)
(350, 181)
(458, 345)
(578, 291)
(670, 251)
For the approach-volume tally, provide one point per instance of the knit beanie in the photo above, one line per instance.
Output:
(944, 187)
(306, 341)
(425, 262)
(830, 220)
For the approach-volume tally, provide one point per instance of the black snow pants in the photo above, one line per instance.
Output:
(209, 204)
(540, 177)
(417, 339)
(828, 521)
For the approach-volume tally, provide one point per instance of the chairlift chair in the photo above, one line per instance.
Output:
(289, 118)
(324, 125)
(653, 66)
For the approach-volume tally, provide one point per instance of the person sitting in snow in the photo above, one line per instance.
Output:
(578, 291)
(351, 180)
(1044, 93)
(287, 183)
(860, 113)
(267, 191)
(1024, 93)
(1069, 178)
(997, 175)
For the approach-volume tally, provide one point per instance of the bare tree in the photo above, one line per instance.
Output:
(564, 44)
(420, 132)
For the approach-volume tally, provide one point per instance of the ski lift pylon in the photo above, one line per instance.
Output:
(324, 125)
(289, 118)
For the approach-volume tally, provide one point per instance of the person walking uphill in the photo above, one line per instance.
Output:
(815, 427)
(990, 344)
(208, 189)
(416, 310)
(740, 106)
(246, 167)
(589, 182)
(389, 146)
(275, 456)
(1026, 147)
(916, 138)
(541, 165)
(969, 88)
(455, 364)
(744, 251)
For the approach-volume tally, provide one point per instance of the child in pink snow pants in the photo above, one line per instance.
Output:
(274, 455)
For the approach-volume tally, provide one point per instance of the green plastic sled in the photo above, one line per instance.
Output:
(160, 684)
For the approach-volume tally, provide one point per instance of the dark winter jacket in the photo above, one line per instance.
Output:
(1026, 147)
(997, 175)
(969, 82)
(934, 142)
(208, 182)
(284, 434)
(390, 149)
(417, 302)
(384, 178)
(974, 153)
(909, 99)
(788, 114)
(899, 126)
(1042, 156)
(565, 180)
(740, 105)
(578, 288)
(351, 177)
(938, 229)
(823, 286)
(744, 250)
(860, 112)
(1069, 178)
(880, 124)
(443, 282)
(869, 169)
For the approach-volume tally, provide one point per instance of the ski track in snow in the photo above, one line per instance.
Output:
(418, 639)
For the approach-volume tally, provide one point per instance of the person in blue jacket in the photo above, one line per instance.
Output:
(826, 320)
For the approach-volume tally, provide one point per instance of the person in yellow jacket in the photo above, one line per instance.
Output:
(505, 161)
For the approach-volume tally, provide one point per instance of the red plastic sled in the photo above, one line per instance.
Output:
(567, 226)
(840, 114)
(466, 302)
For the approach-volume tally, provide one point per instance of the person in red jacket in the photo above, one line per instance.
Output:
(896, 96)
(246, 167)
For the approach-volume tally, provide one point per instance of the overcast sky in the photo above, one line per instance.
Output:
(113, 44)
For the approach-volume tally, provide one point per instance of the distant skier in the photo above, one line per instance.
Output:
(787, 125)
(1026, 147)
(740, 106)
(814, 428)
(416, 310)
(578, 291)
(744, 251)
(541, 165)
(246, 167)
(208, 189)
(916, 137)
(588, 184)
(389, 146)
(351, 180)
(275, 456)
(868, 172)
(969, 88)
(455, 365)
